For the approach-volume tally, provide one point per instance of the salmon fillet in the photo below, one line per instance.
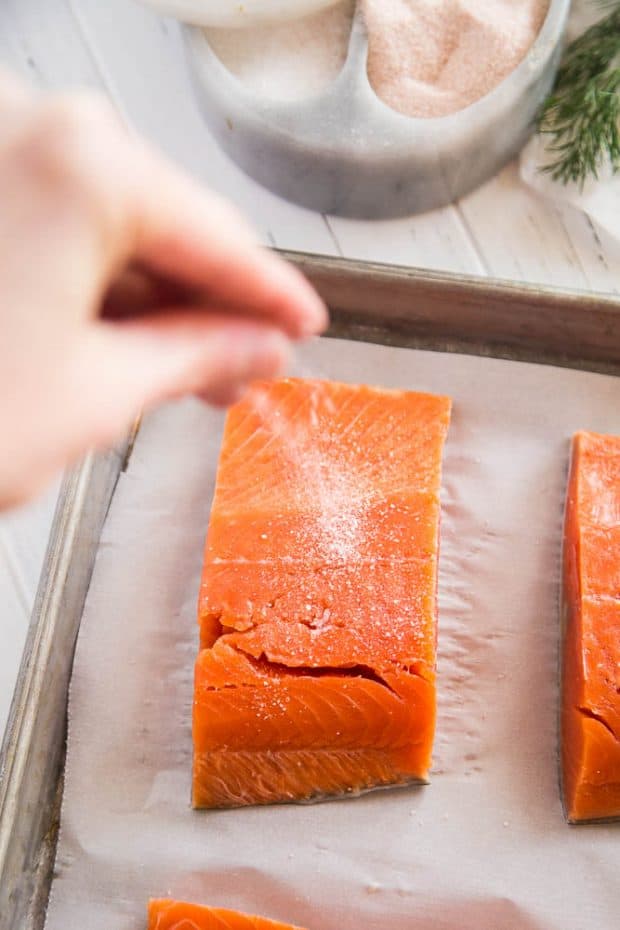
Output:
(176, 915)
(317, 606)
(591, 637)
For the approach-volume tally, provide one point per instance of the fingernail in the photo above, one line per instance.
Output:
(225, 396)
(314, 322)
(263, 354)
(237, 394)
(311, 315)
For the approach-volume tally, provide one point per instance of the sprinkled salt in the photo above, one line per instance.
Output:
(336, 499)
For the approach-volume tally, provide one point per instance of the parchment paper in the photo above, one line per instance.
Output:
(485, 845)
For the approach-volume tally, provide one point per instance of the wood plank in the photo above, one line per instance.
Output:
(436, 240)
(13, 628)
(23, 538)
(598, 252)
(526, 238)
(43, 43)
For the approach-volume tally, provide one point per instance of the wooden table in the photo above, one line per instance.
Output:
(136, 58)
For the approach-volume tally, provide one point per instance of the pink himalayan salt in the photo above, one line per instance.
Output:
(433, 57)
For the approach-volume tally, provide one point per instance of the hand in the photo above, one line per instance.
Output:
(122, 284)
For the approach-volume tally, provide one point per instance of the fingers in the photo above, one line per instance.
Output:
(93, 220)
(192, 236)
(61, 214)
(125, 367)
(142, 209)
(158, 217)
(137, 292)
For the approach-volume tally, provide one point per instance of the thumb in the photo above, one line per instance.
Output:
(127, 366)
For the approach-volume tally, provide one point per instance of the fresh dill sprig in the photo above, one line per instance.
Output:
(582, 115)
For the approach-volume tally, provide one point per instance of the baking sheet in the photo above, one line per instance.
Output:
(485, 846)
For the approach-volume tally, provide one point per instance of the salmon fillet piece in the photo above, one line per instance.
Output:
(317, 607)
(591, 636)
(177, 915)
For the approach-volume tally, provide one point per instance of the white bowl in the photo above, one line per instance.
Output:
(229, 14)
(345, 152)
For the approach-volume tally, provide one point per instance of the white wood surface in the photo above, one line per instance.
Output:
(136, 58)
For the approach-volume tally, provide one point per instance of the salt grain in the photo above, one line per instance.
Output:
(290, 61)
(336, 498)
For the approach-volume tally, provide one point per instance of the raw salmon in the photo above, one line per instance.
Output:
(591, 619)
(176, 915)
(317, 606)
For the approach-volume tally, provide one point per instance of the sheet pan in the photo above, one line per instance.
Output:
(393, 306)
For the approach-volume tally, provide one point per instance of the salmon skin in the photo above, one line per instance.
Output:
(590, 715)
(317, 608)
(177, 915)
